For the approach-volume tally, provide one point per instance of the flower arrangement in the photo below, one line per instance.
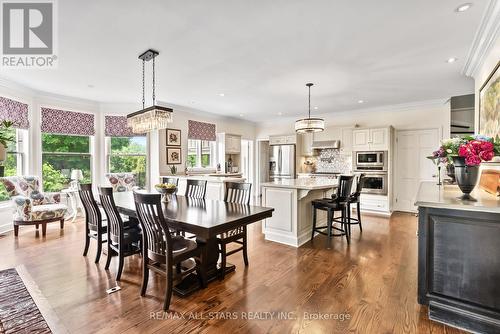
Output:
(475, 149)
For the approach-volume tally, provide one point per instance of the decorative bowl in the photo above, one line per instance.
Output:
(166, 190)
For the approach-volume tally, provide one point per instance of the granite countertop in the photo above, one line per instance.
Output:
(303, 183)
(448, 197)
(207, 178)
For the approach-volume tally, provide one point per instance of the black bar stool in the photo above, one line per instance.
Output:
(355, 199)
(338, 202)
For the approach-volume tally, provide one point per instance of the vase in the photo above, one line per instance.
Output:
(466, 177)
(450, 171)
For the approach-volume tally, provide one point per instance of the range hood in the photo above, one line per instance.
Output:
(319, 145)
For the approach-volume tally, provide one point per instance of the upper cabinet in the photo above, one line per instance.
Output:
(233, 144)
(370, 139)
(282, 140)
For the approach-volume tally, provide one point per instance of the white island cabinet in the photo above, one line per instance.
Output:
(291, 223)
(216, 185)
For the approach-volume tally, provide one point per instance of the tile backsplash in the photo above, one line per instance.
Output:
(331, 160)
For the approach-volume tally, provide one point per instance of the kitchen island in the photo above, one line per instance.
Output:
(459, 257)
(215, 184)
(291, 223)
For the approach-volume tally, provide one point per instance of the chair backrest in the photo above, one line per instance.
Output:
(238, 192)
(21, 185)
(170, 180)
(115, 222)
(359, 186)
(156, 235)
(344, 187)
(121, 181)
(196, 188)
(93, 217)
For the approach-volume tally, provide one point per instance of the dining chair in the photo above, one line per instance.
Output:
(94, 227)
(354, 198)
(123, 237)
(338, 202)
(239, 193)
(161, 251)
(196, 188)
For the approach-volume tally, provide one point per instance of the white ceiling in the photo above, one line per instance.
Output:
(260, 53)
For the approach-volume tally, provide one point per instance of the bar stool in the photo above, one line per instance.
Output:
(338, 202)
(355, 199)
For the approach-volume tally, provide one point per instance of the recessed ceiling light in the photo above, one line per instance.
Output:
(315, 108)
(280, 114)
(241, 115)
(462, 8)
(361, 101)
(451, 60)
(221, 94)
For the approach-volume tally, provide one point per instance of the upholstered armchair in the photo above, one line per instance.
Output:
(33, 207)
(121, 181)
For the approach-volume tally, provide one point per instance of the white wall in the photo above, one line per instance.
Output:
(423, 115)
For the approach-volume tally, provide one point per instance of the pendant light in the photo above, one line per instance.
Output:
(154, 117)
(307, 125)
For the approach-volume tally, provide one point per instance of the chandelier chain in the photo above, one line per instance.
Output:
(309, 101)
(154, 97)
(143, 83)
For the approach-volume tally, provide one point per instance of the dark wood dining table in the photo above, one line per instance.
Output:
(204, 218)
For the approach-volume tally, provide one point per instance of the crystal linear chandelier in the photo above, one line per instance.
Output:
(154, 117)
(307, 125)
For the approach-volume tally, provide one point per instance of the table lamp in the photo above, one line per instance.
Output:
(76, 176)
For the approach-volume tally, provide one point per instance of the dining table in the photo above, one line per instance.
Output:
(204, 218)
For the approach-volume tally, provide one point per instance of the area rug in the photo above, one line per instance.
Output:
(19, 313)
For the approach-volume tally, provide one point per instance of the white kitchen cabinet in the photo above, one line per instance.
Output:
(282, 140)
(233, 144)
(306, 144)
(370, 139)
(346, 141)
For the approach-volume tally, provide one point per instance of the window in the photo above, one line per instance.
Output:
(60, 155)
(201, 153)
(128, 155)
(14, 162)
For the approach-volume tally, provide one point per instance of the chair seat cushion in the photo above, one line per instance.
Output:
(182, 245)
(48, 211)
(328, 204)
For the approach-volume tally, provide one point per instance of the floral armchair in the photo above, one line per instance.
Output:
(33, 207)
(121, 182)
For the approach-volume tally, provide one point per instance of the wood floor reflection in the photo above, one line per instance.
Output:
(372, 285)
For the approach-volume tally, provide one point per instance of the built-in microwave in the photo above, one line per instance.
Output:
(370, 161)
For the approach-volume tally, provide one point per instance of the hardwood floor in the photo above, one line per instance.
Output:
(373, 282)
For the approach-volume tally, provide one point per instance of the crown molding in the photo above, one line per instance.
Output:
(484, 39)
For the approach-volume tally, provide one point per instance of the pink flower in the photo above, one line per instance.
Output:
(463, 151)
(475, 146)
(487, 155)
(487, 146)
(472, 160)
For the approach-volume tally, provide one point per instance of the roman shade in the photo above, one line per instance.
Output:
(67, 122)
(116, 126)
(14, 111)
(201, 131)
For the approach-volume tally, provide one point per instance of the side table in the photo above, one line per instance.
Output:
(72, 195)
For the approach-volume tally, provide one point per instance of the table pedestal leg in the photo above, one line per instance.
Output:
(191, 282)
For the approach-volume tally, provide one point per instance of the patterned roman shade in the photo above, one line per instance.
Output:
(67, 122)
(14, 111)
(116, 126)
(200, 130)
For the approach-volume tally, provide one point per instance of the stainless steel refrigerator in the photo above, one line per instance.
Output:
(281, 162)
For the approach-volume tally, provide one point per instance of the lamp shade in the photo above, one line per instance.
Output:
(308, 125)
(76, 174)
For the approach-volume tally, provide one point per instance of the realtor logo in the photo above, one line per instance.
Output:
(28, 34)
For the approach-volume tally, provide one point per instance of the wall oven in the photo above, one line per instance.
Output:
(375, 183)
(370, 161)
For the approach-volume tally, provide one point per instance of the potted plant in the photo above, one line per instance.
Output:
(5, 139)
(173, 169)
